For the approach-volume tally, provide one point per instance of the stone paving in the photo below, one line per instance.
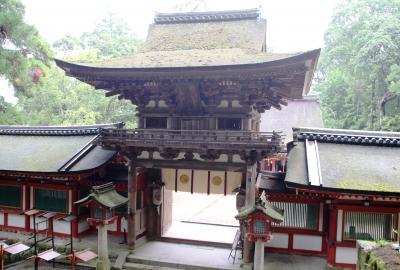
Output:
(218, 257)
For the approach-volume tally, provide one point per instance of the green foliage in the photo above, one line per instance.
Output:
(112, 37)
(9, 114)
(61, 100)
(23, 53)
(360, 65)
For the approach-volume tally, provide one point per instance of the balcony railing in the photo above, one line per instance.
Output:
(214, 139)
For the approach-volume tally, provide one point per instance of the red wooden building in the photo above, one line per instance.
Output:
(200, 85)
(340, 186)
(49, 168)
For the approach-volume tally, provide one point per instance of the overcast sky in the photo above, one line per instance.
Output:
(292, 25)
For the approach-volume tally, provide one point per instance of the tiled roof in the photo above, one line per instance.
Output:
(105, 195)
(191, 58)
(345, 160)
(51, 149)
(191, 17)
(348, 136)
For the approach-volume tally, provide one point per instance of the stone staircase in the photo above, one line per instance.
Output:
(129, 261)
(158, 255)
(133, 263)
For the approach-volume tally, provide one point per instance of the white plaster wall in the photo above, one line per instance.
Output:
(83, 226)
(222, 158)
(1, 218)
(16, 220)
(61, 226)
(156, 155)
(144, 155)
(236, 158)
(41, 226)
(307, 242)
(279, 240)
(346, 255)
(200, 181)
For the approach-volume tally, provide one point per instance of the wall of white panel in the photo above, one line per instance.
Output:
(307, 242)
(346, 255)
(16, 220)
(278, 240)
(61, 226)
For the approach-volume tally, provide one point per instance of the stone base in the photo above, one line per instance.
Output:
(103, 265)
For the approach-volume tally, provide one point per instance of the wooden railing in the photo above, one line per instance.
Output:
(224, 139)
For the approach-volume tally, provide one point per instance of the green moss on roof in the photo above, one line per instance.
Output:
(105, 195)
(356, 185)
(191, 58)
(265, 208)
(245, 34)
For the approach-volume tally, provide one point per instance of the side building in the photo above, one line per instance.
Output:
(48, 169)
(340, 186)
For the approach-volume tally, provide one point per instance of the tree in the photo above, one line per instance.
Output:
(112, 37)
(61, 100)
(23, 52)
(359, 65)
(9, 114)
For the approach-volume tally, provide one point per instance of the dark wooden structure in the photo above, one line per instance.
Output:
(199, 84)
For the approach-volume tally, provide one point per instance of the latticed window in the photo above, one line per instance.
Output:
(98, 213)
(259, 227)
(51, 200)
(10, 196)
(298, 215)
(368, 226)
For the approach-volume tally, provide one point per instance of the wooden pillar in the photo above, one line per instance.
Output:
(132, 193)
(251, 174)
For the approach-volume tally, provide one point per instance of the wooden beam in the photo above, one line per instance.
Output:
(132, 193)
(194, 164)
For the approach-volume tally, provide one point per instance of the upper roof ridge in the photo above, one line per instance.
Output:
(207, 16)
(347, 136)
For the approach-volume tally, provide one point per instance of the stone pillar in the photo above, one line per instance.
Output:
(132, 190)
(259, 255)
(251, 174)
(103, 262)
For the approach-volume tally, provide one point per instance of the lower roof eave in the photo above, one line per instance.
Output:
(339, 191)
(72, 175)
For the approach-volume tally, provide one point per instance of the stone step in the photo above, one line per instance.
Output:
(138, 266)
(168, 264)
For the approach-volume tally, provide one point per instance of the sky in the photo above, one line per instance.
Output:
(292, 25)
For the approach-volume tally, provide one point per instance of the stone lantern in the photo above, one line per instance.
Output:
(255, 222)
(102, 201)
